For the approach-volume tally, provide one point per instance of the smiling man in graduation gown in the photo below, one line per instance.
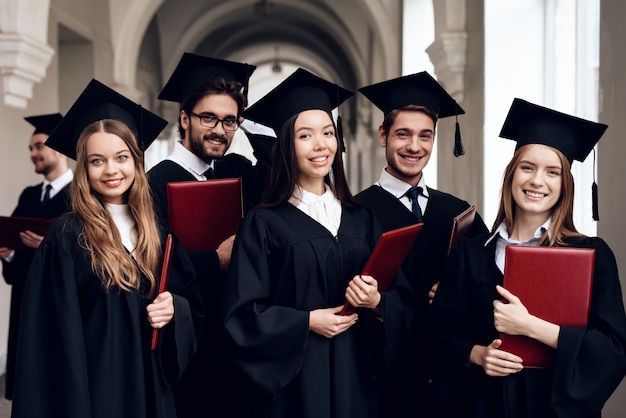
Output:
(46, 200)
(211, 93)
(411, 106)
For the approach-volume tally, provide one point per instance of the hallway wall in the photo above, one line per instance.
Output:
(611, 152)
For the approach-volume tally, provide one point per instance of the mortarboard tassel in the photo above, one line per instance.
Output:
(594, 201)
(342, 144)
(594, 192)
(458, 144)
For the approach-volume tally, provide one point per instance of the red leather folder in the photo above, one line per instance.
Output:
(165, 274)
(462, 225)
(203, 214)
(11, 226)
(554, 283)
(387, 257)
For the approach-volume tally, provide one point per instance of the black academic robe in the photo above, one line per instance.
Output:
(194, 393)
(85, 352)
(590, 362)
(29, 205)
(285, 264)
(411, 387)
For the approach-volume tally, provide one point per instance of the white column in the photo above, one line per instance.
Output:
(24, 52)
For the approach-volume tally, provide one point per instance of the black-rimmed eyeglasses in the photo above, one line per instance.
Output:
(211, 121)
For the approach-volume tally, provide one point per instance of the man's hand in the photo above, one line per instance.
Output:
(5, 252)
(432, 293)
(224, 252)
(30, 239)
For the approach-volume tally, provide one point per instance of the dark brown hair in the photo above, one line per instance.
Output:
(390, 117)
(216, 86)
(283, 176)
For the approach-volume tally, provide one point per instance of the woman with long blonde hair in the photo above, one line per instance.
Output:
(472, 307)
(91, 301)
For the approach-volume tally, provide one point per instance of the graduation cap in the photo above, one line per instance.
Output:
(528, 123)
(44, 124)
(300, 91)
(99, 102)
(193, 70)
(419, 89)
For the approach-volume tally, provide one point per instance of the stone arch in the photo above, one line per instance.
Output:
(129, 24)
(131, 19)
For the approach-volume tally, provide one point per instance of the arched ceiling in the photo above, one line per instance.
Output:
(338, 37)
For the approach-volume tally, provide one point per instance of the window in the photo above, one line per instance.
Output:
(546, 52)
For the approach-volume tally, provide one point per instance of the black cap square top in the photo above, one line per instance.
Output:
(528, 123)
(44, 124)
(193, 70)
(98, 102)
(300, 91)
(419, 89)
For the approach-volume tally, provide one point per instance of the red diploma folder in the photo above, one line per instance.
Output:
(203, 214)
(387, 257)
(554, 283)
(462, 226)
(11, 226)
(165, 274)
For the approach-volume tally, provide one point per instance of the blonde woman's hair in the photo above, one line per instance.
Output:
(109, 259)
(562, 212)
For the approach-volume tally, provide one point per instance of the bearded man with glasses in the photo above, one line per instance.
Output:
(212, 96)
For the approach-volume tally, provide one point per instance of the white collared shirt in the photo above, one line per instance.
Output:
(503, 239)
(189, 161)
(398, 188)
(57, 184)
(325, 209)
(125, 225)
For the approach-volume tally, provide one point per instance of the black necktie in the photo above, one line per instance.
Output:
(46, 195)
(208, 174)
(413, 193)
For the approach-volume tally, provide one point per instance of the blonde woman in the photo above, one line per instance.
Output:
(91, 299)
(472, 307)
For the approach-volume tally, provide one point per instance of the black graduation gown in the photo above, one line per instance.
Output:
(286, 264)
(195, 394)
(29, 205)
(85, 352)
(590, 362)
(411, 387)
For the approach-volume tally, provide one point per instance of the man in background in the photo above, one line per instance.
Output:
(46, 200)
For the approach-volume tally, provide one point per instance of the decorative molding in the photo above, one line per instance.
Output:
(448, 55)
(23, 63)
